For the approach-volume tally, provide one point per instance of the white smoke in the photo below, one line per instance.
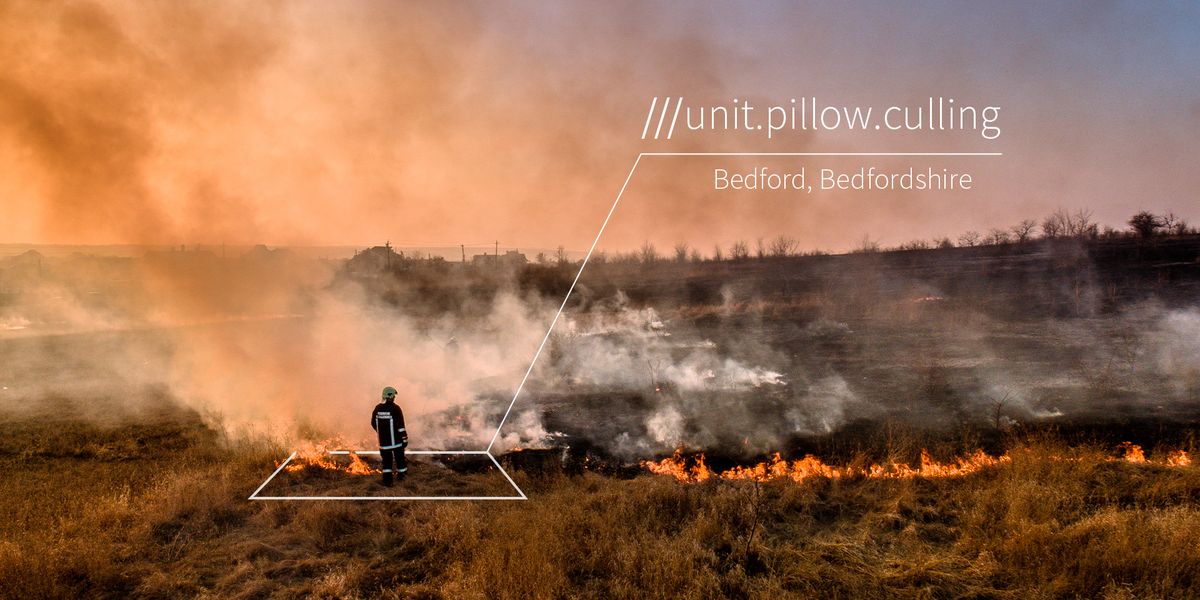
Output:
(1175, 344)
(702, 394)
(624, 348)
(665, 427)
(823, 408)
(454, 376)
(268, 345)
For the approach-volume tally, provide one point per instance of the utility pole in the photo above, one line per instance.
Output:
(463, 247)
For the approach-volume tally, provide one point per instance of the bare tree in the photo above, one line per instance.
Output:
(648, 253)
(1168, 221)
(756, 505)
(866, 246)
(1080, 224)
(718, 255)
(1053, 225)
(997, 237)
(739, 251)
(999, 420)
(944, 242)
(695, 256)
(627, 258)
(560, 255)
(970, 238)
(1181, 227)
(760, 248)
(1174, 225)
(784, 246)
(1023, 231)
(681, 252)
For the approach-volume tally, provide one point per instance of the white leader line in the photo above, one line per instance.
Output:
(510, 479)
(264, 484)
(549, 330)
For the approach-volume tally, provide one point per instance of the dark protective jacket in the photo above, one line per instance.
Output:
(388, 421)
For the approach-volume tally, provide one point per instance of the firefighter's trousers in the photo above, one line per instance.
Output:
(393, 463)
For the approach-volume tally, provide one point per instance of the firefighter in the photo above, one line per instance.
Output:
(388, 421)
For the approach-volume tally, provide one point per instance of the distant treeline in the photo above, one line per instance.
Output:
(1060, 224)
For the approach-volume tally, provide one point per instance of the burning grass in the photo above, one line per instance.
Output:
(693, 469)
(316, 455)
(1048, 521)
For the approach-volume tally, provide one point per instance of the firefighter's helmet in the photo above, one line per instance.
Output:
(389, 394)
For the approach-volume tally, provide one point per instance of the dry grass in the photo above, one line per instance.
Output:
(1055, 523)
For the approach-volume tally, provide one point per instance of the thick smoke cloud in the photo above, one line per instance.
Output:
(332, 123)
(304, 123)
(267, 343)
(271, 343)
(93, 98)
(319, 123)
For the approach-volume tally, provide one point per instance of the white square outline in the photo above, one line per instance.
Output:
(520, 495)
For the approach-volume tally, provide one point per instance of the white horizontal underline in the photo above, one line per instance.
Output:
(412, 451)
(388, 498)
(822, 154)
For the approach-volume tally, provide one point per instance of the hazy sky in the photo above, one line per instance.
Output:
(359, 122)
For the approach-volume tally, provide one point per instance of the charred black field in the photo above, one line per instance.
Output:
(1007, 421)
(823, 354)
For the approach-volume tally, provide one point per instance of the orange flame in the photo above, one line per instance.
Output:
(359, 467)
(1131, 452)
(1178, 458)
(811, 466)
(678, 466)
(312, 454)
(316, 455)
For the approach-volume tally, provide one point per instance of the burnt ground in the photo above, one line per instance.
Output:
(956, 347)
(959, 347)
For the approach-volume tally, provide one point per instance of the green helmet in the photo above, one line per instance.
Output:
(389, 394)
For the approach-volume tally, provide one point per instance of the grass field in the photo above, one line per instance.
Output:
(110, 490)
(159, 510)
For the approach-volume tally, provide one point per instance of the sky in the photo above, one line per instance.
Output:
(355, 123)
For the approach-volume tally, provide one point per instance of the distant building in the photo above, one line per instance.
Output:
(376, 258)
(261, 252)
(510, 259)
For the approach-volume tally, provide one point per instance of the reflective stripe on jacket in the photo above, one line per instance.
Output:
(388, 421)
